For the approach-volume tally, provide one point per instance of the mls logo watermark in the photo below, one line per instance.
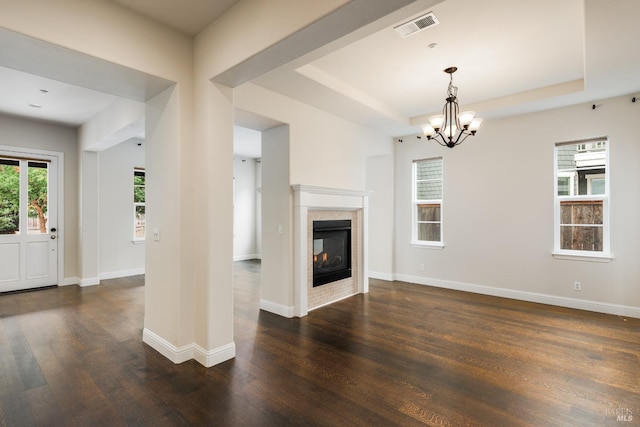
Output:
(621, 414)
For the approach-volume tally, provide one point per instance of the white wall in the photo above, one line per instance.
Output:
(88, 226)
(17, 132)
(498, 211)
(276, 292)
(120, 120)
(381, 211)
(259, 206)
(119, 255)
(325, 150)
(244, 209)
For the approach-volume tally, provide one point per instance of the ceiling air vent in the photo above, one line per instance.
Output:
(417, 24)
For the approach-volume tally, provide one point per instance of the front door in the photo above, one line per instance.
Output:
(28, 215)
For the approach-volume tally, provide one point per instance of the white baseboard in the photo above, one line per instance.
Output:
(121, 273)
(580, 304)
(209, 358)
(175, 354)
(90, 281)
(178, 355)
(246, 257)
(275, 308)
(381, 276)
(69, 281)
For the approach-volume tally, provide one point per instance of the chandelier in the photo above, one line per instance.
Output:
(451, 128)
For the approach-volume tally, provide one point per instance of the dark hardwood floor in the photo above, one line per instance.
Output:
(401, 355)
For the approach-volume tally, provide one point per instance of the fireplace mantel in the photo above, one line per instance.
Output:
(306, 198)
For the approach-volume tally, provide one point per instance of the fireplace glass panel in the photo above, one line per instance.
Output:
(331, 251)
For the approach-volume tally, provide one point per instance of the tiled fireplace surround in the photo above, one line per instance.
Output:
(320, 203)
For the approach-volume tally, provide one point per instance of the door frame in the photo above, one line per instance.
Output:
(59, 156)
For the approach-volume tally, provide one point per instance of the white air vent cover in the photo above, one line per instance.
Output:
(417, 24)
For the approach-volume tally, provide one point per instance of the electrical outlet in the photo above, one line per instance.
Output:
(421, 267)
(577, 286)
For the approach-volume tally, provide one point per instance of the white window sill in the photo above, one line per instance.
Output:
(137, 241)
(583, 257)
(430, 245)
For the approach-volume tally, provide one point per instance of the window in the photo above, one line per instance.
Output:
(582, 198)
(427, 202)
(35, 204)
(139, 220)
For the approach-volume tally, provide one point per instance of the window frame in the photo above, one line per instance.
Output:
(135, 238)
(605, 255)
(415, 202)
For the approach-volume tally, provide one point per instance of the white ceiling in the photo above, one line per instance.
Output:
(25, 94)
(512, 57)
(406, 75)
(78, 86)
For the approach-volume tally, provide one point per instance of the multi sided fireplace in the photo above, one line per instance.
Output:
(331, 251)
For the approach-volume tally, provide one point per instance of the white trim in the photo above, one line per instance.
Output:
(246, 257)
(209, 358)
(121, 273)
(331, 191)
(90, 281)
(427, 245)
(177, 355)
(579, 256)
(381, 276)
(275, 308)
(575, 303)
(68, 281)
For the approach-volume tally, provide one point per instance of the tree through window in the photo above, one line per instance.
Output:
(139, 197)
(37, 195)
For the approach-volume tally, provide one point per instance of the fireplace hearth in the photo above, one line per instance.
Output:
(331, 251)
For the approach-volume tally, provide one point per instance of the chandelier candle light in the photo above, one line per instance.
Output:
(451, 128)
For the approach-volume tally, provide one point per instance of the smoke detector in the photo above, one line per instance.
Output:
(417, 24)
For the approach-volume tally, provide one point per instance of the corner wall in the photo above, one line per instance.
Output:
(119, 255)
(381, 206)
(244, 209)
(498, 211)
(276, 287)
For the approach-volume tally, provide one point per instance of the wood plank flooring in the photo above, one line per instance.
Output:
(402, 355)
